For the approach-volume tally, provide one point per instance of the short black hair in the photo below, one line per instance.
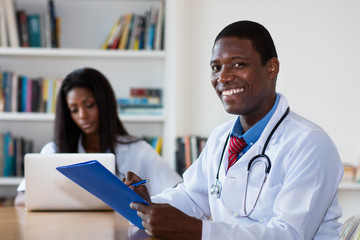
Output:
(259, 36)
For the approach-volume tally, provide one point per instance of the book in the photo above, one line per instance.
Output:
(28, 95)
(14, 95)
(53, 28)
(349, 173)
(187, 151)
(22, 28)
(1, 154)
(115, 38)
(151, 28)
(3, 28)
(158, 146)
(7, 80)
(50, 93)
(34, 29)
(159, 27)
(93, 176)
(12, 28)
(46, 27)
(131, 30)
(125, 34)
(109, 39)
(180, 155)
(9, 166)
(2, 100)
(24, 86)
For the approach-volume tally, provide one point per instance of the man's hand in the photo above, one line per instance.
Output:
(141, 189)
(166, 222)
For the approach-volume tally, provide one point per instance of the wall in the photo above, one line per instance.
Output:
(317, 44)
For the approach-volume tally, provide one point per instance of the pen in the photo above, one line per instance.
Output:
(139, 183)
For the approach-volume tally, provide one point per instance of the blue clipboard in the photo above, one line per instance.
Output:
(99, 181)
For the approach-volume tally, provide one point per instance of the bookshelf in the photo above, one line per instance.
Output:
(84, 26)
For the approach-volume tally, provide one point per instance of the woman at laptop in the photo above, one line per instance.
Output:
(86, 121)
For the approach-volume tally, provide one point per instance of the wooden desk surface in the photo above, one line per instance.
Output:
(17, 223)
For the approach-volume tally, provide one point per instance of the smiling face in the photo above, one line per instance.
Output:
(245, 86)
(83, 109)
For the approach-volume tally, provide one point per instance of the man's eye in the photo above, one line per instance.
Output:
(215, 68)
(239, 64)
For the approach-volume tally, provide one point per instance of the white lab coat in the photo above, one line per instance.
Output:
(299, 198)
(138, 157)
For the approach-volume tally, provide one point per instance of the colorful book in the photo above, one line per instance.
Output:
(22, 28)
(110, 38)
(125, 34)
(14, 93)
(34, 26)
(24, 86)
(28, 95)
(9, 165)
(3, 28)
(50, 96)
(12, 27)
(53, 27)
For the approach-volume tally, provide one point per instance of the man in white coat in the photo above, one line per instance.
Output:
(283, 182)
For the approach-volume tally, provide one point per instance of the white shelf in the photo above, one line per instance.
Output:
(349, 186)
(80, 53)
(47, 117)
(10, 181)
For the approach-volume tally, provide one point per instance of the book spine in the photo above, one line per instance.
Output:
(1, 92)
(28, 95)
(14, 93)
(46, 29)
(7, 90)
(3, 31)
(11, 23)
(34, 26)
(54, 38)
(8, 155)
(22, 28)
(50, 96)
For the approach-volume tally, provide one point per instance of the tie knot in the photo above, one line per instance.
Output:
(236, 144)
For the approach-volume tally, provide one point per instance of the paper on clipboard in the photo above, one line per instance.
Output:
(99, 181)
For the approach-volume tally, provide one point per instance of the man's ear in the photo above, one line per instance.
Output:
(274, 66)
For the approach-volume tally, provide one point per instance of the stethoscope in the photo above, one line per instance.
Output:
(217, 187)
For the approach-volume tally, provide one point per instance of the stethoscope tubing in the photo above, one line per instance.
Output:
(217, 187)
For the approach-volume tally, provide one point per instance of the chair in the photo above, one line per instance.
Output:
(351, 228)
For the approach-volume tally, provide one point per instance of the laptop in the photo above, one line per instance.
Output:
(49, 190)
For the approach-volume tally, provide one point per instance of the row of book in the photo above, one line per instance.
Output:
(351, 173)
(20, 93)
(137, 31)
(155, 142)
(20, 29)
(12, 151)
(141, 100)
(188, 149)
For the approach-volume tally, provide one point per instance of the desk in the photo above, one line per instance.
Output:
(17, 223)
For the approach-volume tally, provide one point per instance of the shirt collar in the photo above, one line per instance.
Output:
(254, 133)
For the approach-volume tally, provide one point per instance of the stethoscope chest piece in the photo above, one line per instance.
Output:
(216, 188)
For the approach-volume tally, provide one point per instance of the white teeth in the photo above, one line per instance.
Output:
(232, 91)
